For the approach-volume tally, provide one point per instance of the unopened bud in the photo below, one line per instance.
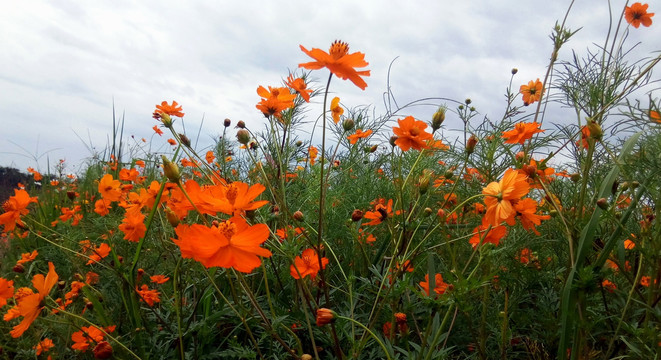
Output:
(520, 156)
(514, 71)
(423, 181)
(19, 268)
(71, 195)
(184, 140)
(172, 217)
(595, 130)
(392, 140)
(373, 148)
(575, 177)
(299, 143)
(356, 215)
(243, 136)
(171, 170)
(241, 124)
(602, 203)
(470, 144)
(298, 216)
(348, 124)
(428, 211)
(227, 122)
(438, 118)
(166, 120)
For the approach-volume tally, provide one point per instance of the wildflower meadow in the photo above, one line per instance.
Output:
(388, 238)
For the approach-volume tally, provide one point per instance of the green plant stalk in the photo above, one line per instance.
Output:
(438, 334)
(367, 330)
(177, 307)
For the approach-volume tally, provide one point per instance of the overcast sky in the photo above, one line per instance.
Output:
(65, 63)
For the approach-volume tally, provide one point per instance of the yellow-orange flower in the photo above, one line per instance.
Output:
(411, 134)
(501, 195)
(359, 134)
(299, 86)
(232, 243)
(492, 237)
(339, 62)
(15, 207)
(336, 109)
(274, 100)
(172, 110)
(109, 188)
(307, 264)
(27, 257)
(312, 155)
(29, 306)
(531, 92)
(133, 226)
(522, 132)
(637, 14)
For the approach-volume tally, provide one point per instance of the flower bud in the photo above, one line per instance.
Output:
(423, 181)
(427, 211)
(171, 170)
(243, 136)
(392, 140)
(102, 350)
(514, 71)
(438, 118)
(470, 144)
(184, 140)
(325, 316)
(602, 203)
(299, 143)
(172, 217)
(241, 124)
(595, 130)
(166, 120)
(356, 215)
(575, 177)
(227, 122)
(19, 268)
(373, 148)
(71, 195)
(298, 216)
(348, 124)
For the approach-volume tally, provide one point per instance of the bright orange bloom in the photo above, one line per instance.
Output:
(172, 110)
(307, 264)
(440, 286)
(336, 109)
(232, 243)
(521, 133)
(6, 290)
(109, 188)
(501, 195)
(172, 142)
(133, 226)
(274, 100)
(299, 86)
(44, 346)
(157, 130)
(382, 211)
(628, 244)
(84, 337)
(637, 14)
(74, 213)
(239, 198)
(210, 157)
(15, 207)
(339, 62)
(27, 257)
(585, 136)
(494, 235)
(149, 296)
(525, 256)
(36, 174)
(29, 306)
(531, 92)
(102, 207)
(312, 155)
(655, 116)
(129, 174)
(99, 253)
(646, 281)
(358, 135)
(159, 279)
(608, 285)
(526, 210)
(411, 134)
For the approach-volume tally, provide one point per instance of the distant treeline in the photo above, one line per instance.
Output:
(9, 179)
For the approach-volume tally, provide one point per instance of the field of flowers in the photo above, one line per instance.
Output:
(520, 239)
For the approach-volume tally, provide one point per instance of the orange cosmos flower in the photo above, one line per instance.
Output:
(339, 62)
(655, 116)
(27, 257)
(172, 142)
(6, 291)
(608, 285)
(239, 198)
(157, 130)
(232, 243)
(102, 207)
(307, 264)
(325, 316)
(89, 335)
(210, 157)
(299, 86)
(382, 211)
(159, 279)
(494, 235)
(526, 210)
(358, 135)
(336, 109)
(440, 286)
(274, 100)
(30, 305)
(501, 195)
(637, 14)
(109, 188)
(525, 256)
(133, 226)
(531, 92)
(312, 155)
(44, 346)
(149, 296)
(521, 133)
(99, 253)
(172, 110)
(15, 207)
(37, 175)
(411, 134)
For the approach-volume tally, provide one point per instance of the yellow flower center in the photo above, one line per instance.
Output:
(338, 49)
(414, 131)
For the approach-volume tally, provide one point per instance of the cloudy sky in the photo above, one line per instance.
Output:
(65, 64)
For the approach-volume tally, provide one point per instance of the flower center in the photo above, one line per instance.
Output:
(338, 49)
(232, 192)
(414, 131)
(227, 229)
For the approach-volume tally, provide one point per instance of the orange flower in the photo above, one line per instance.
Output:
(133, 226)
(172, 142)
(99, 253)
(172, 110)
(102, 207)
(15, 207)
(307, 264)
(149, 296)
(325, 316)
(655, 116)
(37, 175)
(381, 213)
(159, 279)
(30, 305)
(411, 134)
(299, 86)
(274, 100)
(312, 154)
(531, 92)
(501, 195)
(521, 133)
(109, 188)
(44, 346)
(6, 291)
(585, 136)
(526, 209)
(89, 334)
(440, 286)
(339, 62)
(239, 198)
(157, 130)
(27, 257)
(358, 135)
(336, 109)
(608, 285)
(232, 243)
(210, 157)
(637, 14)
(525, 256)
(494, 235)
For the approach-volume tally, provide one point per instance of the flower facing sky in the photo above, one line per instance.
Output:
(637, 14)
(531, 92)
(172, 110)
(411, 134)
(339, 62)
(299, 85)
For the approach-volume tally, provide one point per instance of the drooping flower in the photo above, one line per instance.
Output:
(307, 264)
(325, 316)
(500, 196)
(27, 257)
(15, 207)
(637, 14)
(172, 110)
(232, 243)
(274, 100)
(411, 134)
(521, 133)
(150, 296)
(339, 62)
(30, 305)
(299, 85)
(440, 286)
(531, 92)
(359, 134)
(336, 109)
